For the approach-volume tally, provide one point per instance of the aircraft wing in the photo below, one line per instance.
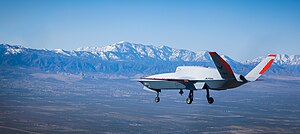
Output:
(222, 66)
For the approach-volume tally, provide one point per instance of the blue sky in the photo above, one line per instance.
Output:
(241, 29)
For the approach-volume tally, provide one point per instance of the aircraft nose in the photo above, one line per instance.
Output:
(145, 84)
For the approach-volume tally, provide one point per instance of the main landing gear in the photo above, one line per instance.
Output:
(189, 100)
(210, 100)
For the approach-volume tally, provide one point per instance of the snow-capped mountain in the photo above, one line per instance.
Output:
(131, 51)
(281, 59)
(127, 59)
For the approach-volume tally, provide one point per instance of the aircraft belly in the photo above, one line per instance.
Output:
(222, 84)
(163, 85)
(215, 84)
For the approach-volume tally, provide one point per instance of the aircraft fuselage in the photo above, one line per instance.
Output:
(191, 78)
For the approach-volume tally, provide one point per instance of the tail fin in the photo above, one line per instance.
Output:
(262, 67)
(222, 66)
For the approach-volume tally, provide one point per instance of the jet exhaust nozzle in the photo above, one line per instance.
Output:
(242, 78)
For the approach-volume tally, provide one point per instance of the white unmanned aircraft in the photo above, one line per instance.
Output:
(197, 78)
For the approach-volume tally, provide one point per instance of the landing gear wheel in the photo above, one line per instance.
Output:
(189, 100)
(157, 99)
(210, 100)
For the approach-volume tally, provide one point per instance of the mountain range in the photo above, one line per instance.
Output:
(128, 60)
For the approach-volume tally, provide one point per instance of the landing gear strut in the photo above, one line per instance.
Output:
(181, 92)
(189, 100)
(210, 100)
(157, 99)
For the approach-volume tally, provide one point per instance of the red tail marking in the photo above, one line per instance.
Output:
(226, 65)
(266, 67)
(274, 55)
(212, 53)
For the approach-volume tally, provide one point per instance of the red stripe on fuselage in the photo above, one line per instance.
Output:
(266, 67)
(179, 80)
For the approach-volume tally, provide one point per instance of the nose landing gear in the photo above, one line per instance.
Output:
(157, 99)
